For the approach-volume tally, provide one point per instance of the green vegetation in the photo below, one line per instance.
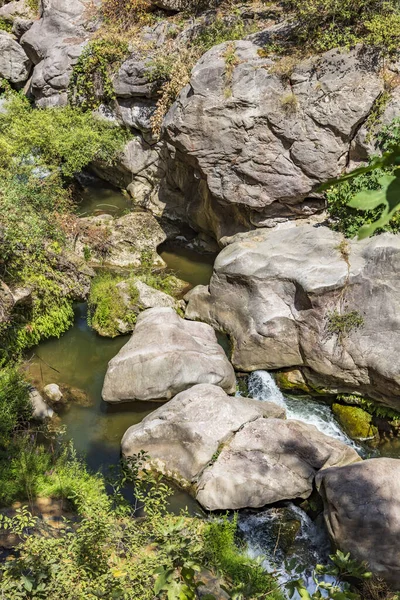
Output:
(355, 421)
(39, 152)
(344, 323)
(107, 308)
(5, 26)
(91, 83)
(324, 24)
(108, 552)
(374, 190)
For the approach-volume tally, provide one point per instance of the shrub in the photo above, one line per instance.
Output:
(325, 24)
(57, 138)
(348, 220)
(15, 406)
(106, 306)
(344, 323)
(91, 82)
(109, 553)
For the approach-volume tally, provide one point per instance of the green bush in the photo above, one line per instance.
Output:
(91, 82)
(65, 139)
(325, 24)
(109, 553)
(15, 406)
(349, 220)
(106, 305)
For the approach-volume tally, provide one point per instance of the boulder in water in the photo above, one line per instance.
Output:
(356, 422)
(267, 461)
(304, 297)
(53, 392)
(186, 434)
(41, 411)
(165, 356)
(362, 513)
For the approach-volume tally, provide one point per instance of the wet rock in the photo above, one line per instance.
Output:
(251, 150)
(303, 297)
(356, 422)
(165, 356)
(15, 66)
(185, 435)
(267, 461)
(292, 381)
(41, 411)
(52, 392)
(362, 513)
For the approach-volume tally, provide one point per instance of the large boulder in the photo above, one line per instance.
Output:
(267, 461)
(305, 297)
(165, 356)
(182, 437)
(362, 513)
(54, 44)
(15, 65)
(249, 147)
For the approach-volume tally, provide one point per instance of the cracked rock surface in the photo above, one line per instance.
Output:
(256, 144)
(234, 452)
(304, 297)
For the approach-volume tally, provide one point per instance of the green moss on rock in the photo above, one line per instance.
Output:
(292, 381)
(356, 422)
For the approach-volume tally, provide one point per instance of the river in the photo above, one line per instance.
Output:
(80, 357)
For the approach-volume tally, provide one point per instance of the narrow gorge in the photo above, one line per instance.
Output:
(199, 299)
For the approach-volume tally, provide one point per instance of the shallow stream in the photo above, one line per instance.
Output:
(79, 359)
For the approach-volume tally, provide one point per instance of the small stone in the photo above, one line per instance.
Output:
(52, 392)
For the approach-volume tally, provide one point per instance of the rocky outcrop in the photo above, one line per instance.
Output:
(137, 296)
(129, 241)
(165, 356)
(249, 148)
(362, 513)
(182, 437)
(234, 452)
(15, 65)
(304, 297)
(54, 43)
(269, 460)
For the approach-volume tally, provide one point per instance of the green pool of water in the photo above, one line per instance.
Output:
(95, 199)
(79, 359)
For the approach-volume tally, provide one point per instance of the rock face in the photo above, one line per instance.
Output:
(251, 148)
(304, 297)
(54, 43)
(182, 436)
(15, 66)
(267, 461)
(165, 356)
(362, 513)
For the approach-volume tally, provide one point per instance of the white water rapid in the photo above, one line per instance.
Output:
(262, 386)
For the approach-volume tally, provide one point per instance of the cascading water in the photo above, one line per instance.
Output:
(262, 531)
(259, 529)
(262, 386)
